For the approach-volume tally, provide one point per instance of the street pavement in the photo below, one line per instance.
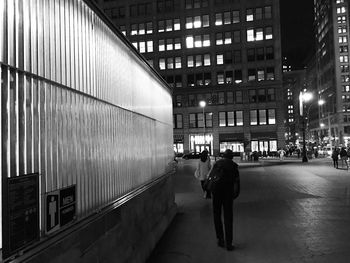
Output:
(288, 211)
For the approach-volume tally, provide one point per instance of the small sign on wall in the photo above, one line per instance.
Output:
(60, 208)
(20, 213)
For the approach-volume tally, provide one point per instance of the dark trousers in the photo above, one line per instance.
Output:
(335, 162)
(225, 201)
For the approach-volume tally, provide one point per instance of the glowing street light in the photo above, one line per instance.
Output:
(304, 97)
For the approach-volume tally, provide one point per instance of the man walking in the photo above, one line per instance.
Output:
(226, 189)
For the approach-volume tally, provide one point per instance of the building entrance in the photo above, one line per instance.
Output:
(199, 143)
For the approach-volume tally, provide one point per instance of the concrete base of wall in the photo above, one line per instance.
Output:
(128, 233)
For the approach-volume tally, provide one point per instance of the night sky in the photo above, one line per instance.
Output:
(297, 31)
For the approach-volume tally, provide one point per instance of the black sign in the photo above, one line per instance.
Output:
(21, 213)
(67, 205)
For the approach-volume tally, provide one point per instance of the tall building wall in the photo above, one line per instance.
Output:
(224, 52)
(332, 66)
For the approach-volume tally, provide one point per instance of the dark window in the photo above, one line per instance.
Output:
(141, 9)
(229, 97)
(252, 96)
(190, 80)
(121, 11)
(228, 77)
(269, 53)
(260, 53)
(228, 57)
(261, 95)
(178, 81)
(133, 10)
(251, 54)
(207, 78)
(251, 74)
(237, 56)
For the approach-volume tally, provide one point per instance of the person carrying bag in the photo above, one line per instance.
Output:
(201, 173)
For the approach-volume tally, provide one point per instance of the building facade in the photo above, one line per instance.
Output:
(226, 53)
(332, 69)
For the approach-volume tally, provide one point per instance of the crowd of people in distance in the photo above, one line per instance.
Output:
(342, 153)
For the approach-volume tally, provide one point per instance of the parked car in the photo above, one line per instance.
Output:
(191, 155)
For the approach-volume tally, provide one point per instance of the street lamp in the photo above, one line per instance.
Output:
(303, 98)
(202, 104)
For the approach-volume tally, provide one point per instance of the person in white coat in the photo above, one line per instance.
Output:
(202, 171)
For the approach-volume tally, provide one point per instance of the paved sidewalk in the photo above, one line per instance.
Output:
(288, 211)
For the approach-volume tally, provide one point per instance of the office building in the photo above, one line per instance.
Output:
(332, 67)
(226, 53)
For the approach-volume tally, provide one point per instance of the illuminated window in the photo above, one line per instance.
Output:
(219, 59)
(189, 23)
(169, 25)
(206, 59)
(261, 74)
(251, 74)
(198, 60)
(177, 44)
(259, 35)
(218, 19)
(220, 78)
(142, 47)
(142, 29)
(150, 46)
(206, 41)
(169, 44)
(135, 45)
(238, 76)
(198, 41)
(160, 26)
(177, 24)
(133, 29)
(270, 73)
(250, 35)
(170, 63)
(149, 28)
(262, 117)
(177, 62)
(253, 117)
(123, 29)
(162, 63)
(268, 33)
(190, 62)
(272, 116)
(250, 15)
(161, 45)
(219, 39)
(197, 22)
(189, 41)
(228, 38)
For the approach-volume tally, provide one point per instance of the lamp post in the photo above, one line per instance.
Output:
(202, 104)
(303, 98)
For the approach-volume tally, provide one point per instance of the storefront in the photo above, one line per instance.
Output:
(198, 143)
(261, 142)
(178, 144)
(232, 141)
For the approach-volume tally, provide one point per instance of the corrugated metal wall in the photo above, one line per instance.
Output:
(77, 105)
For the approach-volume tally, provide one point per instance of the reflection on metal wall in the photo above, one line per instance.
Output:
(77, 105)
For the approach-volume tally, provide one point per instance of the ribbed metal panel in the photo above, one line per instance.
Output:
(77, 105)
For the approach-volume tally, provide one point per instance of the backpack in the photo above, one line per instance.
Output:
(214, 177)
